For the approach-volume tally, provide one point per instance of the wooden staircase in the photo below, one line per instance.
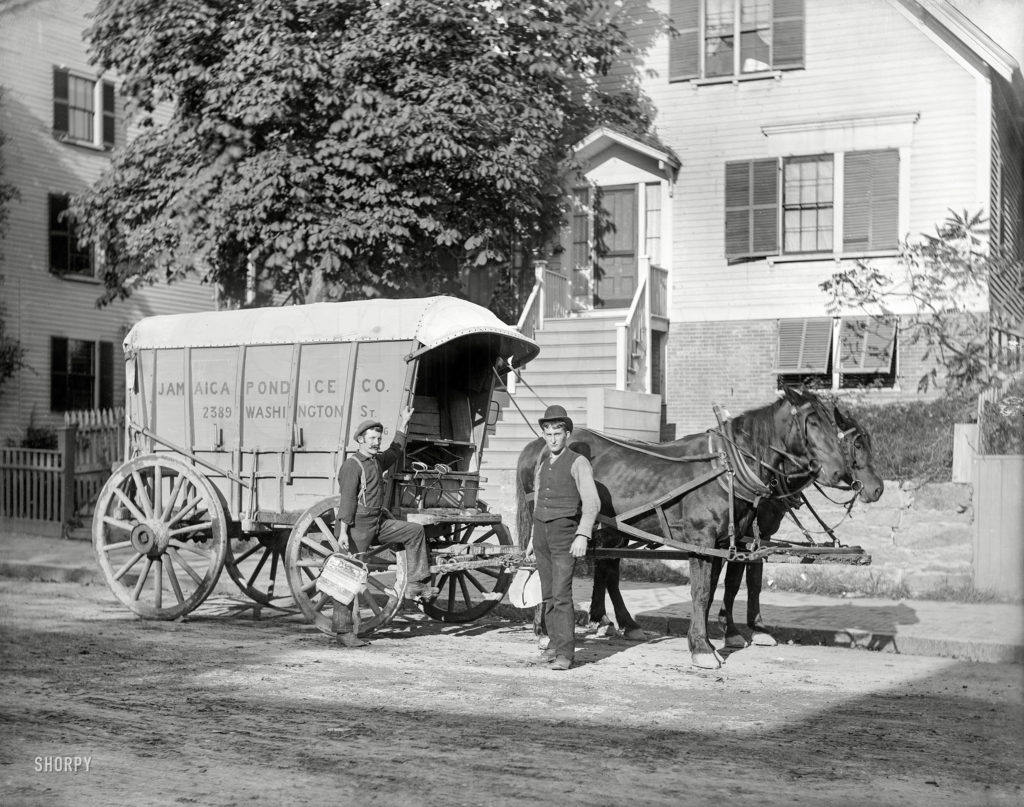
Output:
(577, 355)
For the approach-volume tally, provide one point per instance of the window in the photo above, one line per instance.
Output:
(652, 218)
(83, 109)
(66, 256)
(74, 380)
(807, 352)
(807, 220)
(807, 204)
(716, 38)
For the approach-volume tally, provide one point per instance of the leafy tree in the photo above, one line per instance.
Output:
(12, 353)
(943, 276)
(365, 148)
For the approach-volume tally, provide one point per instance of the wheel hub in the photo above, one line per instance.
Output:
(151, 538)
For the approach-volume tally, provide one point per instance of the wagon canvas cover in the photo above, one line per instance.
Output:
(431, 321)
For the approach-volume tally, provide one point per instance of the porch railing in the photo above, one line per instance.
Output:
(549, 299)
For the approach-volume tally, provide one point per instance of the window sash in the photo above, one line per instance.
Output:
(83, 109)
(807, 194)
(81, 374)
(66, 256)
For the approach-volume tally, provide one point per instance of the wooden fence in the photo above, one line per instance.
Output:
(47, 491)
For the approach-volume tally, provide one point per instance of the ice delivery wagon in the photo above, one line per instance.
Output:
(237, 423)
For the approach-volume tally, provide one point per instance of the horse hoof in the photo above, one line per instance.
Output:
(735, 640)
(761, 639)
(635, 635)
(706, 661)
(543, 641)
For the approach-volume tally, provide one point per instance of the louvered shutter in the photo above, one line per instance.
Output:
(804, 346)
(866, 345)
(60, 101)
(58, 374)
(871, 200)
(751, 208)
(106, 396)
(684, 46)
(108, 114)
(788, 34)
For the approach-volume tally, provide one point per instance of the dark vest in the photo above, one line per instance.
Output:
(557, 494)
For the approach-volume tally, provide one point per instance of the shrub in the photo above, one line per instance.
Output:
(914, 440)
(39, 437)
(1002, 421)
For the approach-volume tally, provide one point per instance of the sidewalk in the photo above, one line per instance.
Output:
(989, 632)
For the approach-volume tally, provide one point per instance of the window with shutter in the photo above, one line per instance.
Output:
(83, 109)
(807, 204)
(871, 200)
(66, 256)
(714, 38)
(804, 346)
(866, 345)
(73, 374)
(751, 208)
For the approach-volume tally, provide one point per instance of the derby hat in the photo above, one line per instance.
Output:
(556, 414)
(365, 426)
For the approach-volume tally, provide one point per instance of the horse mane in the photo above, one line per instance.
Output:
(759, 426)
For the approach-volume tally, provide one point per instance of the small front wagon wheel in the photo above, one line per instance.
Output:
(311, 542)
(468, 594)
(160, 536)
(256, 564)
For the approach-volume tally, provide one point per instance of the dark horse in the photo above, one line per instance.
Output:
(798, 428)
(859, 475)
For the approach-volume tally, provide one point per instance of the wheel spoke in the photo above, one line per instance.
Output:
(117, 524)
(465, 591)
(185, 565)
(188, 508)
(147, 506)
(173, 577)
(371, 603)
(326, 531)
(135, 511)
(124, 569)
(259, 566)
(158, 584)
(246, 555)
(195, 550)
(158, 482)
(468, 575)
(172, 498)
(142, 579)
(118, 545)
(274, 557)
(489, 572)
(320, 549)
(480, 539)
(202, 525)
(324, 599)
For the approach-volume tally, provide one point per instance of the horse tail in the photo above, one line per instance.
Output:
(524, 501)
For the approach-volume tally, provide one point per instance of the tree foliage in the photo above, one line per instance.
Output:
(942, 277)
(376, 145)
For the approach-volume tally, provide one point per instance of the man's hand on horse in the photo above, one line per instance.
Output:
(579, 546)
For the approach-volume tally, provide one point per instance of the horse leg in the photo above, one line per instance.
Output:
(630, 627)
(733, 578)
(540, 629)
(702, 653)
(760, 635)
(602, 574)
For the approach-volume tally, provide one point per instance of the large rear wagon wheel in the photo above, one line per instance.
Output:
(309, 545)
(160, 536)
(468, 594)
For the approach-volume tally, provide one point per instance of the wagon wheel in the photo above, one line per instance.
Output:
(468, 594)
(256, 564)
(160, 536)
(311, 542)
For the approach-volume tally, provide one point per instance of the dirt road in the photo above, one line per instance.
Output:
(226, 710)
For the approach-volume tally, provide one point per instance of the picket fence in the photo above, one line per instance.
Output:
(48, 491)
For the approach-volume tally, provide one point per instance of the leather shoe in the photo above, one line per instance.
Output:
(547, 657)
(561, 663)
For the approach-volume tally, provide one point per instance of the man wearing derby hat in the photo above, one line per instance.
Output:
(563, 519)
(361, 516)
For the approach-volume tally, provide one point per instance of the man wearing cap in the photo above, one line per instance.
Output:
(361, 521)
(563, 519)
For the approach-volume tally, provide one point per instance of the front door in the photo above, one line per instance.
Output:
(616, 282)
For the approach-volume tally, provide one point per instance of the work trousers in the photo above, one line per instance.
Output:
(368, 530)
(552, 544)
